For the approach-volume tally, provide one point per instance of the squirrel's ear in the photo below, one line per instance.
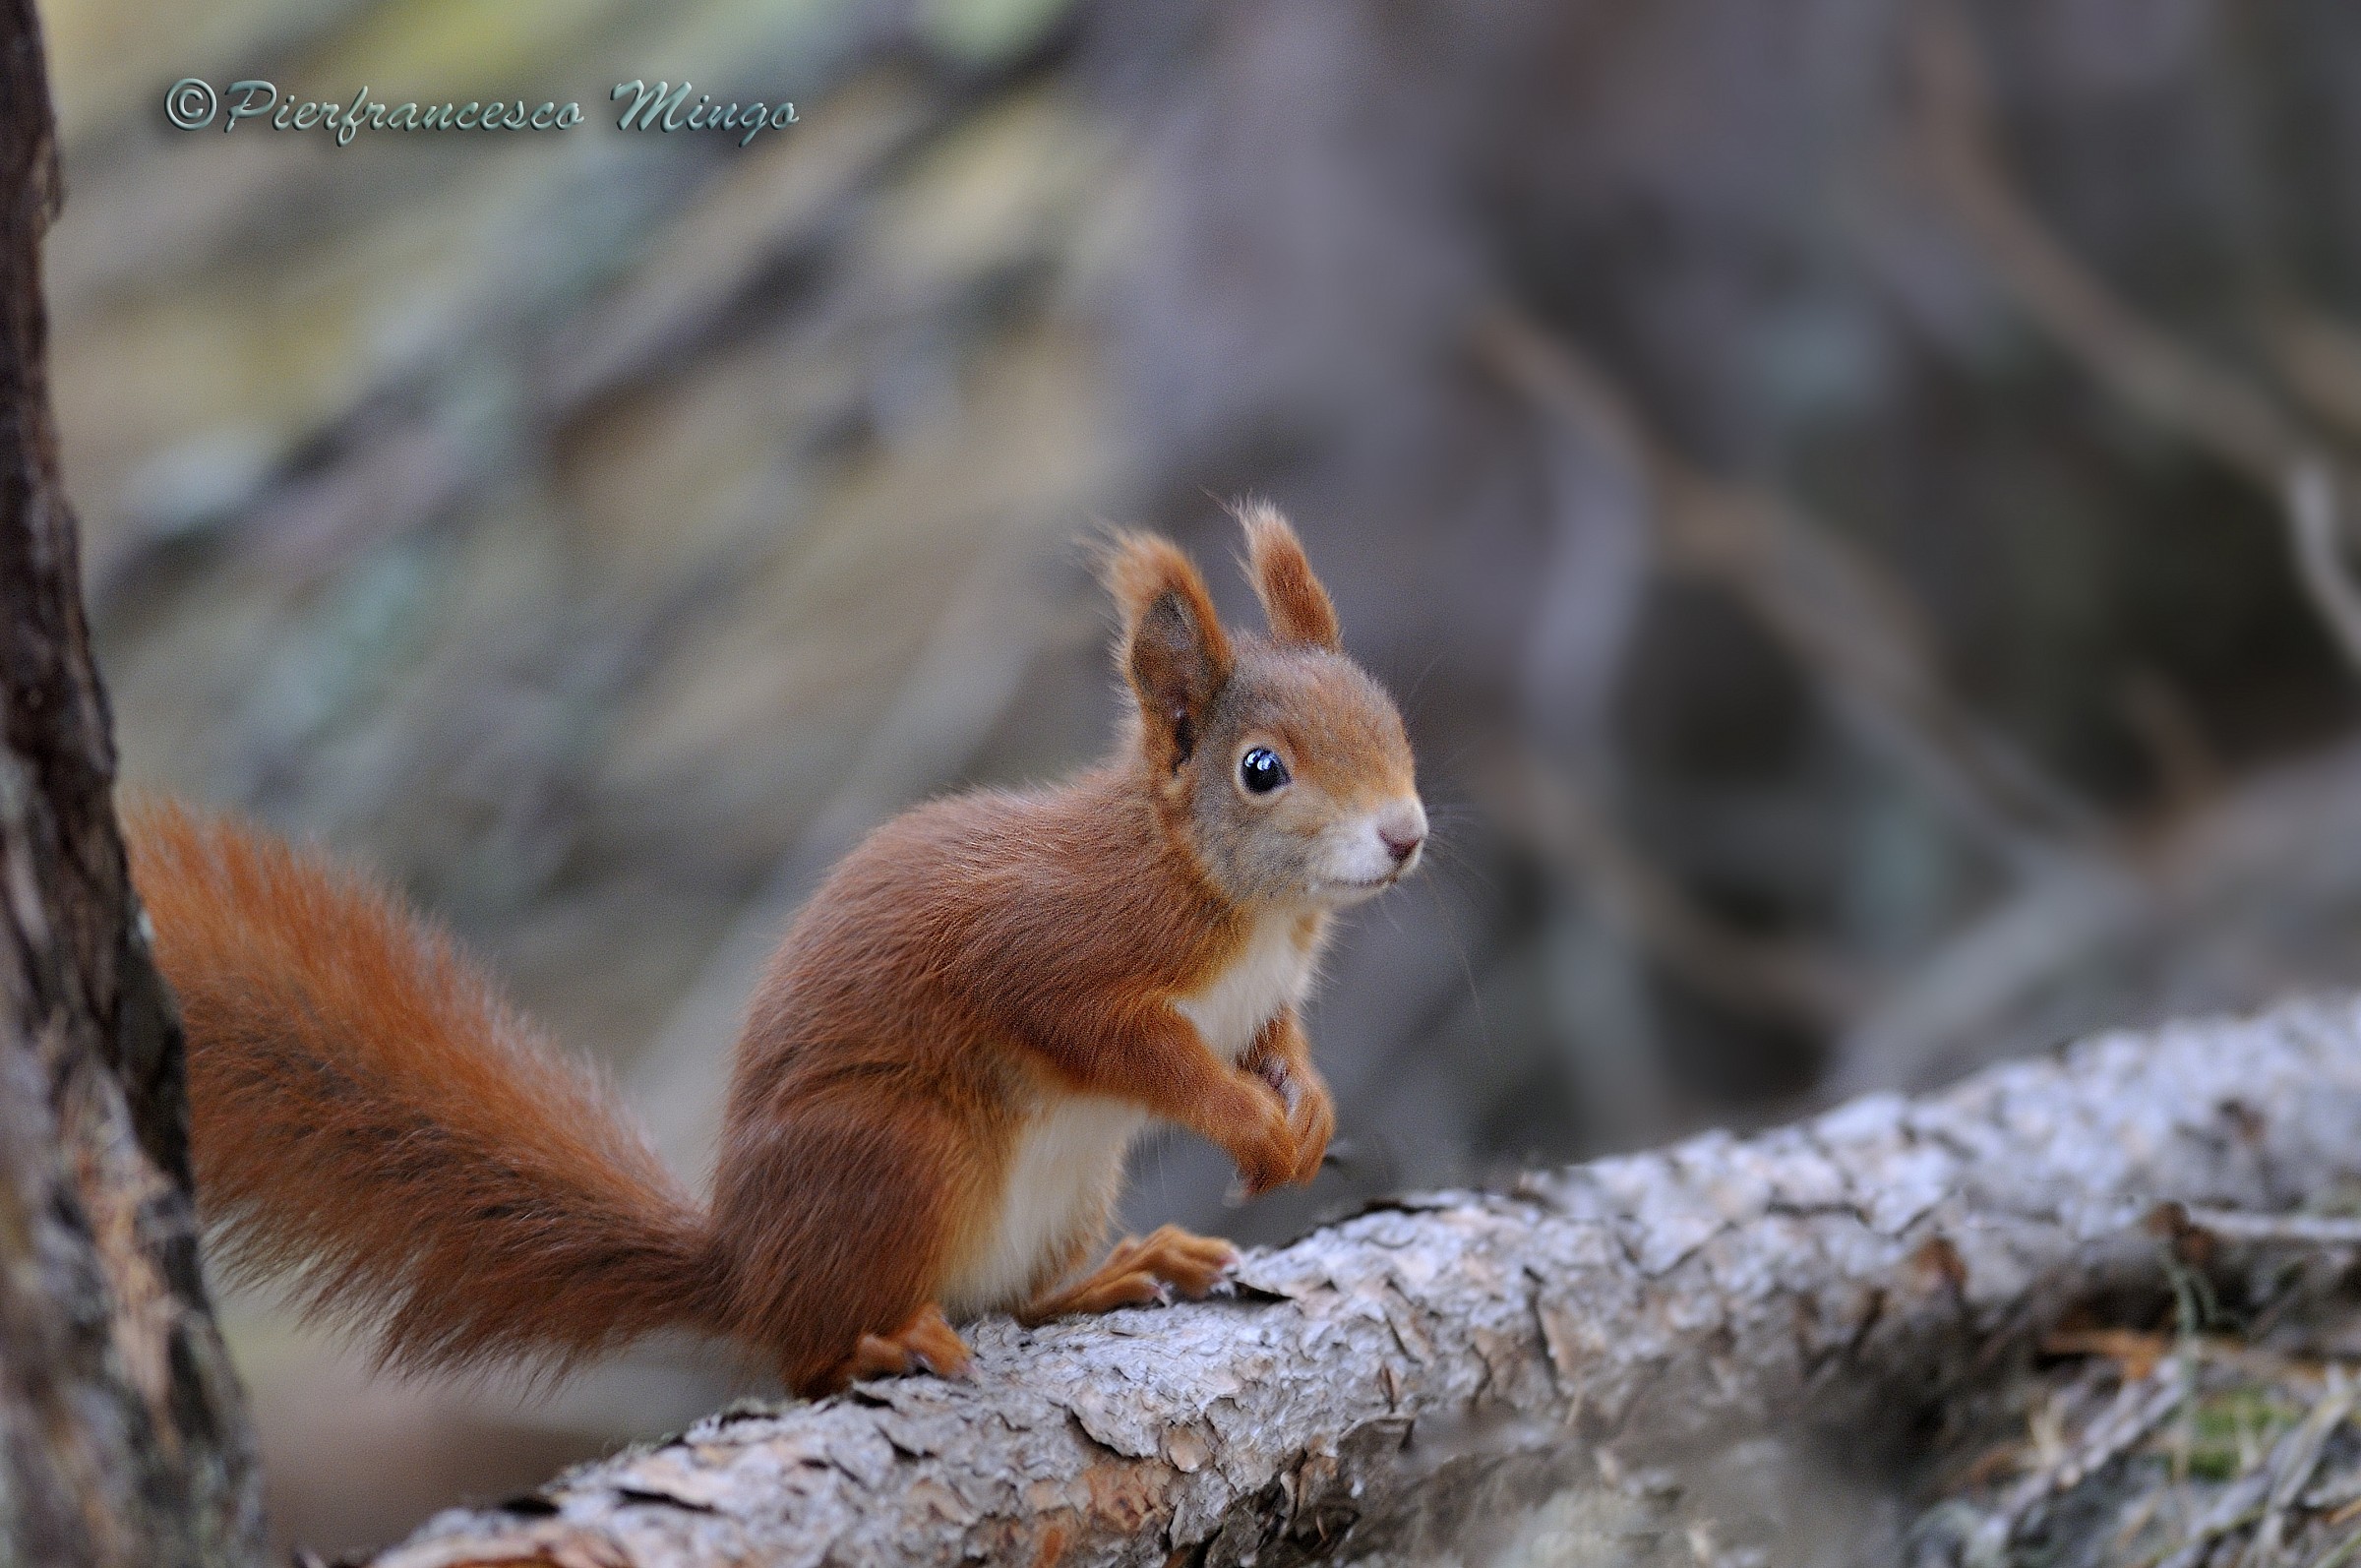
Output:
(1293, 598)
(1175, 653)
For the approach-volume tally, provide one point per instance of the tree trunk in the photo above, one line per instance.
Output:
(122, 1431)
(1782, 1320)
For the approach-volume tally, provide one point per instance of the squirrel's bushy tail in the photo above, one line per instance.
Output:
(369, 1114)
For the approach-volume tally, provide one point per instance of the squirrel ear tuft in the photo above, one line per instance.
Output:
(1174, 652)
(1297, 606)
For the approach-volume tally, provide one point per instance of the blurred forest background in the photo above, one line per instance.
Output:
(1855, 497)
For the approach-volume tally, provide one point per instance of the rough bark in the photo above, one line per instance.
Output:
(122, 1435)
(1411, 1384)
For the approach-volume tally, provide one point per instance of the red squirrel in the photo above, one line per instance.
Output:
(940, 1072)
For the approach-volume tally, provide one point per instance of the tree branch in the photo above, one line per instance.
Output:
(1415, 1380)
(122, 1433)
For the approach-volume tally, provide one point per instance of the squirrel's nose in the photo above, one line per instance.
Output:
(1402, 830)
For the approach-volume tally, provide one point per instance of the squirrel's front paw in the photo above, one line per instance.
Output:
(1258, 1137)
(1310, 1112)
(1312, 1120)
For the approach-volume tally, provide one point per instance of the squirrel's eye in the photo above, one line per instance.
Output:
(1262, 771)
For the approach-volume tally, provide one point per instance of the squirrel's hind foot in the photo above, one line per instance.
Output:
(926, 1343)
(1140, 1270)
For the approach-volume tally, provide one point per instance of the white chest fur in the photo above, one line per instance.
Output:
(1068, 1167)
(1272, 971)
(1067, 1174)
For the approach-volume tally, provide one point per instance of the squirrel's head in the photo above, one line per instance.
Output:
(1277, 761)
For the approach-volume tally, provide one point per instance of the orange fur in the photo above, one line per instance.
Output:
(939, 1071)
(1173, 651)
(1297, 606)
(364, 1104)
